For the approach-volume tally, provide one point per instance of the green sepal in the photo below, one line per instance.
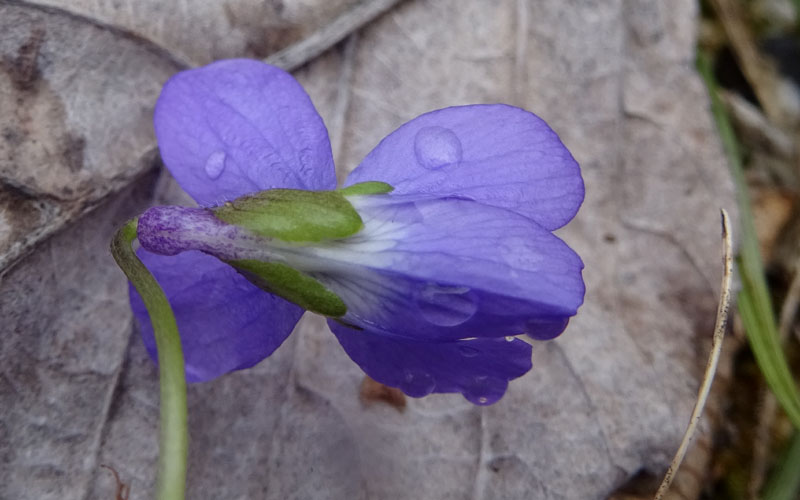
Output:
(292, 285)
(368, 187)
(293, 215)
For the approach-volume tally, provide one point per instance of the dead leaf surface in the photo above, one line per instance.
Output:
(607, 399)
(76, 103)
(197, 32)
(78, 81)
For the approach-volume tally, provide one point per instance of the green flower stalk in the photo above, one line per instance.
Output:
(174, 434)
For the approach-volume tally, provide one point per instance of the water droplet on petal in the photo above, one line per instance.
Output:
(519, 254)
(215, 164)
(435, 147)
(486, 390)
(510, 338)
(417, 384)
(445, 305)
(545, 328)
(468, 352)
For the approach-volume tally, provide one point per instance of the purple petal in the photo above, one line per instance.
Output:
(238, 126)
(225, 322)
(479, 368)
(437, 268)
(496, 154)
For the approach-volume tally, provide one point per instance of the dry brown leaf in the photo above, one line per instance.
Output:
(772, 209)
(606, 400)
(374, 392)
(78, 80)
(197, 32)
(76, 103)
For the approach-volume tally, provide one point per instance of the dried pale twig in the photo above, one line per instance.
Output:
(303, 51)
(713, 359)
(761, 75)
(752, 123)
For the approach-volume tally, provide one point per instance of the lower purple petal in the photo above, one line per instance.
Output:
(447, 269)
(480, 369)
(546, 328)
(225, 322)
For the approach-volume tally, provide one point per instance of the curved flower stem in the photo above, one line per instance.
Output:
(174, 435)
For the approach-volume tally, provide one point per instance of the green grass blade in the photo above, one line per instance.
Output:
(784, 484)
(755, 305)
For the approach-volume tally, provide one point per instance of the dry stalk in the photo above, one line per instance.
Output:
(760, 73)
(713, 359)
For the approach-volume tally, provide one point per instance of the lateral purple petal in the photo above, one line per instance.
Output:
(495, 154)
(445, 269)
(480, 369)
(238, 126)
(225, 322)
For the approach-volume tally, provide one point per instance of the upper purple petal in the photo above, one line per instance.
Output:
(238, 126)
(477, 368)
(495, 154)
(225, 322)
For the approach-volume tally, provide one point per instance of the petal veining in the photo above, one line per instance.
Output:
(238, 126)
(495, 154)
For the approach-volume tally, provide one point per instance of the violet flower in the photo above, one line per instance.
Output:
(427, 290)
